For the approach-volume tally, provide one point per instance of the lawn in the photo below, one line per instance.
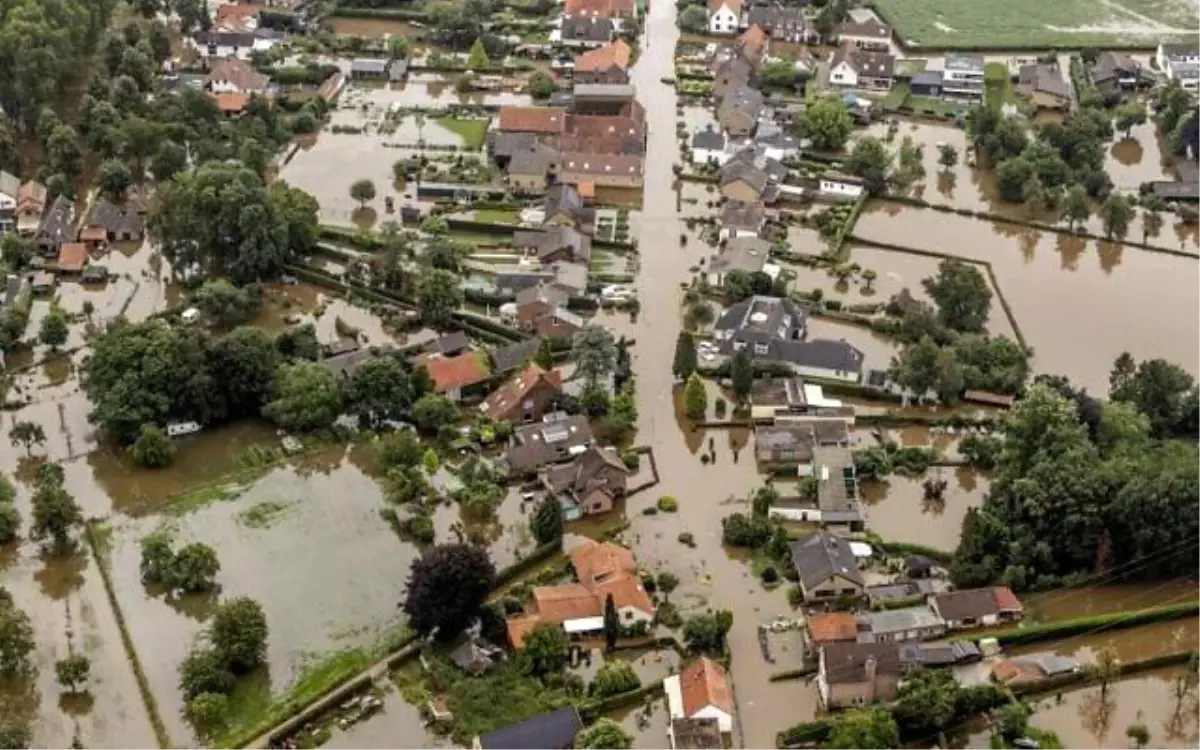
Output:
(998, 88)
(1033, 24)
(497, 216)
(472, 132)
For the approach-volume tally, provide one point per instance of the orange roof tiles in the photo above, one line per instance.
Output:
(237, 16)
(520, 627)
(599, 8)
(229, 103)
(703, 683)
(571, 601)
(533, 119)
(516, 388)
(72, 256)
(597, 561)
(626, 591)
(449, 373)
(832, 626)
(755, 40)
(602, 58)
(1006, 600)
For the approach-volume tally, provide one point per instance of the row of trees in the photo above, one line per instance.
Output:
(235, 644)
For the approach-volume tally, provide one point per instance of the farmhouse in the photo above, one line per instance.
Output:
(972, 608)
(857, 67)
(827, 568)
(724, 16)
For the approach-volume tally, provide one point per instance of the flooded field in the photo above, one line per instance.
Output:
(1122, 299)
(1095, 600)
(898, 511)
(371, 28)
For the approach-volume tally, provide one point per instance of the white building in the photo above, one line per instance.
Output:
(1180, 62)
(708, 147)
(700, 691)
(724, 16)
(840, 187)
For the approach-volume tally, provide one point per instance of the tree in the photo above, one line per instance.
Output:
(1116, 213)
(863, 727)
(113, 178)
(868, 276)
(1107, 668)
(685, 356)
(705, 633)
(204, 671)
(194, 569)
(777, 73)
(594, 351)
(10, 522)
(14, 734)
(168, 161)
(477, 58)
(605, 734)
(207, 711)
(1159, 389)
(962, 295)
(27, 434)
(693, 19)
(432, 412)
(362, 191)
(741, 374)
(73, 671)
(55, 328)
(1075, 208)
(1012, 720)
(55, 515)
(439, 295)
(225, 304)
(1152, 223)
(379, 390)
(695, 397)
(244, 363)
(1011, 178)
(871, 161)
(296, 214)
(447, 585)
(925, 366)
(546, 523)
(612, 625)
(307, 397)
(947, 156)
(541, 85)
(925, 701)
(157, 557)
(152, 449)
(16, 641)
(544, 357)
(397, 45)
(826, 122)
(1129, 115)
(238, 634)
(615, 677)
(16, 251)
(1036, 197)
(546, 649)
(1138, 734)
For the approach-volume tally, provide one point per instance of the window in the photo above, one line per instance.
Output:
(628, 615)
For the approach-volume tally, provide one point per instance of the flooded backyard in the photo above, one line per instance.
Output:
(898, 511)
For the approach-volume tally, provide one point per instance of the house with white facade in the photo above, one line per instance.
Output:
(1180, 62)
(233, 76)
(724, 16)
(708, 147)
(774, 329)
(700, 691)
(855, 67)
(238, 44)
(962, 76)
(840, 187)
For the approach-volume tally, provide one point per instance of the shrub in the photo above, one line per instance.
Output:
(686, 538)
(795, 596)
(651, 511)
(770, 575)
(668, 504)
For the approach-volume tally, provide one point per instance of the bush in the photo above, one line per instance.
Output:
(770, 575)
(795, 596)
(686, 538)
(668, 504)
(651, 511)
(720, 405)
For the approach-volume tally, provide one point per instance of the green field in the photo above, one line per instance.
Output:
(1035, 24)
(473, 132)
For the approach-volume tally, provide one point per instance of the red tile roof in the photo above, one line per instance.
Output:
(238, 73)
(832, 626)
(236, 16)
(533, 119)
(1006, 600)
(734, 5)
(519, 628)
(603, 58)
(599, 8)
(755, 40)
(460, 371)
(571, 601)
(72, 257)
(703, 683)
(229, 103)
(626, 591)
(600, 561)
(516, 388)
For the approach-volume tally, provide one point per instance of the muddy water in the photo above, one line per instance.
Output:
(898, 511)
(1096, 600)
(306, 542)
(1121, 299)
(371, 28)
(708, 576)
(399, 723)
(506, 534)
(1142, 642)
(647, 724)
(1137, 159)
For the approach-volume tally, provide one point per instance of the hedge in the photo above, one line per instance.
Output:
(1080, 625)
(536, 557)
(839, 242)
(906, 548)
(792, 674)
(592, 709)
(807, 733)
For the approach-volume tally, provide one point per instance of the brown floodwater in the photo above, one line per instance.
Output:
(1133, 644)
(1137, 159)
(898, 511)
(1120, 298)
(371, 28)
(1097, 600)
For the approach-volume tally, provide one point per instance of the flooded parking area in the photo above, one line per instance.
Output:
(1120, 298)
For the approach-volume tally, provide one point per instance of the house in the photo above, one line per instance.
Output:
(962, 76)
(554, 242)
(724, 16)
(926, 83)
(774, 329)
(553, 440)
(827, 568)
(616, 9)
(971, 608)
(742, 182)
(708, 147)
(370, 68)
(607, 64)
(754, 43)
(858, 674)
(840, 187)
(475, 656)
(31, 202)
(586, 31)
(55, 226)
(346, 363)
(564, 206)
(452, 375)
(776, 143)
(1115, 72)
(1185, 188)
(695, 734)
(537, 309)
(231, 104)
(602, 570)
(784, 23)
(731, 73)
(525, 397)
(898, 625)
(758, 156)
(217, 44)
(118, 223)
(824, 628)
(1032, 668)
(72, 257)
(739, 219)
(739, 111)
(605, 135)
(866, 34)
(590, 484)
(529, 170)
(446, 345)
(1044, 85)
(701, 691)
(795, 442)
(602, 99)
(502, 146)
(889, 593)
(234, 76)
(603, 170)
(838, 502)
(514, 356)
(857, 67)
(555, 730)
(745, 254)
(782, 399)
(1180, 62)
(237, 16)
(543, 120)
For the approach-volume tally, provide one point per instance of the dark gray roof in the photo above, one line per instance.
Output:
(756, 156)
(509, 358)
(450, 344)
(967, 603)
(825, 354)
(347, 363)
(743, 214)
(821, 555)
(1047, 79)
(369, 65)
(811, 433)
(587, 28)
(928, 78)
(532, 162)
(747, 254)
(550, 731)
(117, 219)
(846, 663)
(708, 139)
(1179, 49)
(697, 734)
(512, 282)
(1111, 65)
(502, 143)
(736, 68)
(56, 222)
(547, 442)
(775, 17)
(744, 99)
(564, 198)
(733, 171)
(554, 238)
(781, 140)
(759, 318)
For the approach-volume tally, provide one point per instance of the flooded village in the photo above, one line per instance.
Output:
(601, 374)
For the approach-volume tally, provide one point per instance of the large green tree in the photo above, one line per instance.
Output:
(446, 587)
(684, 363)
(871, 161)
(307, 397)
(605, 734)
(594, 351)
(962, 295)
(238, 633)
(863, 728)
(379, 390)
(826, 122)
(439, 295)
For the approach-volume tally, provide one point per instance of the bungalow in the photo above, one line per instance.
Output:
(564, 206)
(1044, 85)
(724, 16)
(608, 64)
(31, 202)
(972, 608)
(118, 223)
(452, 375)
(898, 625)
(234, 76)
(525, 397)
(784, 23)
(72, 257)
(739, 111)
(827, 568)
(346, 363)
(1115, 72)
(745, 254)
(217, 44)
(555, 730)
(868, 33)
(585, 31)
(590, 484)
(708, 147)
(55, 226)
(1185, 188)
(701, 691)
(372, 68)
(553, 440)
(740, 219)
(858, 674)
(446, 345)
(856, 67)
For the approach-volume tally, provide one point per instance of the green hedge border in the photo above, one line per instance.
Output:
(1079, 625)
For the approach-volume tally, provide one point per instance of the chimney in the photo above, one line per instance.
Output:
(869, 667)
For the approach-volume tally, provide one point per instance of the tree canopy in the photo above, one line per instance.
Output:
(446, 587)
(826, 122)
